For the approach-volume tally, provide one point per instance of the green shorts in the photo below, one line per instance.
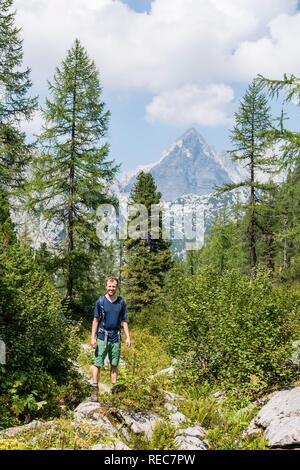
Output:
(112, 349)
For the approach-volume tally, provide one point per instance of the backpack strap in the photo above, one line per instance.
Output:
(102, 311)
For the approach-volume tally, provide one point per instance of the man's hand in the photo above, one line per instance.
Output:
(94, 342)
(128, 342)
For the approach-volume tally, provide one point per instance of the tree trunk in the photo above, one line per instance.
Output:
(70, 231)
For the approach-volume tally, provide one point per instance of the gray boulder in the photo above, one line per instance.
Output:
(86, 409)
(140, 422)
(279, 419)
(177, 418)
(191, 439)
(33, 425)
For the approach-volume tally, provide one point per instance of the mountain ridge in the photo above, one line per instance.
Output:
(188, 166)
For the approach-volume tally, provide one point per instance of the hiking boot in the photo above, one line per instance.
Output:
(94, 393)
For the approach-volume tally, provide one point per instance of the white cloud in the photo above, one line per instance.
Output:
(179, 42)
(271, 55)
(192, 105)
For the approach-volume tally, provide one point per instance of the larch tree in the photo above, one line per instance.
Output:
(251, 146)
(72, 172)
(15, 103)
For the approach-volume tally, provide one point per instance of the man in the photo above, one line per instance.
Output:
(109, 314)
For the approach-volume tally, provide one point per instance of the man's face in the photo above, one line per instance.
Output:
(111, 287)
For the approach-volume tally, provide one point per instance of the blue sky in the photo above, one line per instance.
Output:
(165, 66)
(139, 6)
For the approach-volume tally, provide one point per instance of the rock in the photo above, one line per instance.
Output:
(33, 425)
(168, 371)
(170, 397)
(85, 409)
(281, 404)
(140, 422)
(170, 407)
(279, 419)
(103, 423)
(191, 439)
(177, 418)
(193, 431)
(218, 395)
(252, 429)
(119, 445)
(284, 432)
(125, 433)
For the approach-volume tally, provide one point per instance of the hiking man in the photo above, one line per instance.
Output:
(109, 314)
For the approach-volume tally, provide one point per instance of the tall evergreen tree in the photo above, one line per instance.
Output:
(250, 146)
(15, 104)
(72, 172)
(289, 88)
(147, 259)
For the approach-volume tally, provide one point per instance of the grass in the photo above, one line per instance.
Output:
(60, 433)
(225, 419)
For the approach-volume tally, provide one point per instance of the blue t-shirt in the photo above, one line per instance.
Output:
(114, 314)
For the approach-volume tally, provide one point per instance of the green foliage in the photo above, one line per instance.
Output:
(73, 170)
(59, 433)
(162, 438)
(15, 104)
(147, 258)
(289, 140)
(226, 245)
(40, 345)
(233, 329)
(250, 145)
(142, 390)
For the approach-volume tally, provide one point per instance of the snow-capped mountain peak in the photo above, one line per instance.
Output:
(189, 166)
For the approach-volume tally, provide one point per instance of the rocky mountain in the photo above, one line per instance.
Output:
(186, 175)
(189, 166)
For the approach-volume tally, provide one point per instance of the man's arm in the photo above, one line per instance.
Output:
(126, 330)
(94, 332)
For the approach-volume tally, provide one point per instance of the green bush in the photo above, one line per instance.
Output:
(40, 344)
(234, 329)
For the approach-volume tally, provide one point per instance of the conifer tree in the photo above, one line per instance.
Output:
(72, 173)
(250, 147)
(15, 104)
(287, 203)
(289, 88)
(148, 259)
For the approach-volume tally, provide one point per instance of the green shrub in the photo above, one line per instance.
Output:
(40, 344)
(233, 329)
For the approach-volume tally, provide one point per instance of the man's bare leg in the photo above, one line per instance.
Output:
(96, 374)
(95, 388)
(113, 374)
